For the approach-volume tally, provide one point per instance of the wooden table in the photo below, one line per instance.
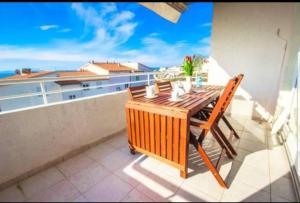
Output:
(160, 128)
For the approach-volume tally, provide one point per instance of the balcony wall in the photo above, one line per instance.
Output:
(254, 39)
(34, 138)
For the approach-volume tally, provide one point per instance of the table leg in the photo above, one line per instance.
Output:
(183, 173)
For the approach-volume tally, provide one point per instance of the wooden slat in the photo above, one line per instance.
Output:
(128, 125)
(162, 110)
(142, 129)
(132, 127)
(184, 134)
(152, 132)
(137, 128)
(169, 138)
(157, 134)
(147, 131)
(163, 136)
(176, 129)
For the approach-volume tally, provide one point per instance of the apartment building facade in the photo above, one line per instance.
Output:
(73, 88)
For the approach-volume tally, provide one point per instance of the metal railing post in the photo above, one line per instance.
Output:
(42, 85)
(148, 75)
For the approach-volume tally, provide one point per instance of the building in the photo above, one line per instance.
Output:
(117, 69)
(91, 86)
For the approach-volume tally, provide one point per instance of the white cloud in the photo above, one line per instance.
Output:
(205, 40)
(111, 30)
(65, 30)
(123, 17)
(48, 27)
(206, 24)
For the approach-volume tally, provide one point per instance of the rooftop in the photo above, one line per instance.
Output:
(114, 67)
(28, 75)
(76, 74)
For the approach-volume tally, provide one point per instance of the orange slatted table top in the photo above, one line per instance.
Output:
(192, 102)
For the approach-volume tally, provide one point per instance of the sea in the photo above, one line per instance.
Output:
(4, 74)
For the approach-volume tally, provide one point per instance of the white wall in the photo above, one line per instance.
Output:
(137, 66)
(95, 69)
(245, 40)
(32, 138)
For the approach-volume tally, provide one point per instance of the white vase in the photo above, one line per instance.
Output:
(188, 84)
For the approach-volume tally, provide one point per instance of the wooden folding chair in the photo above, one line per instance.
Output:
(163, 86)
(204, 113)
(211, 125)
(138, 91)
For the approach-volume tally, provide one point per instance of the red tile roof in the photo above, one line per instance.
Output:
(76, 74)
(30, 75)
(114, 67)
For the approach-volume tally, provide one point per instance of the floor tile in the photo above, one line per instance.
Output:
(41, 181)
(62, 191)
(136, 196)
(278, 158)
(283, 187)
(206, 183)
(238, 192)
(99, 152)
(276, 198)
(251, 146)
(118, 141)
(252, 177)
(160, 188)
(259, 160)
(134, 173)
(88, 177)
(116, 160)
(190, 194)
(11, 194)
(254, 137)
(111, 189)
(80, 199)
(74, 165)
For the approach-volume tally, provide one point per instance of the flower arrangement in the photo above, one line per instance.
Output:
(192, 63)
(199, 61)
(188, 66)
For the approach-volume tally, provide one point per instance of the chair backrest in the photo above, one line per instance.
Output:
(138, 91)
(163, 86)
(239, 79)
(222, 102)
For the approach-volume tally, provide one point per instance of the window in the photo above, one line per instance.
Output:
(126, 86)
(0, 109)
(137, 78)
(118, 88)
(86, 86)
(73, 96)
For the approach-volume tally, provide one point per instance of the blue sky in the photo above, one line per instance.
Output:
(67, 35)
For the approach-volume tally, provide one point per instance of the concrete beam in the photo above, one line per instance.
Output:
(169, 11)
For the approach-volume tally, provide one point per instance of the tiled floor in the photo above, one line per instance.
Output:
(108, 172)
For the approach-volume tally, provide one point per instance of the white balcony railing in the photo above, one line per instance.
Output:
(40, 84)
